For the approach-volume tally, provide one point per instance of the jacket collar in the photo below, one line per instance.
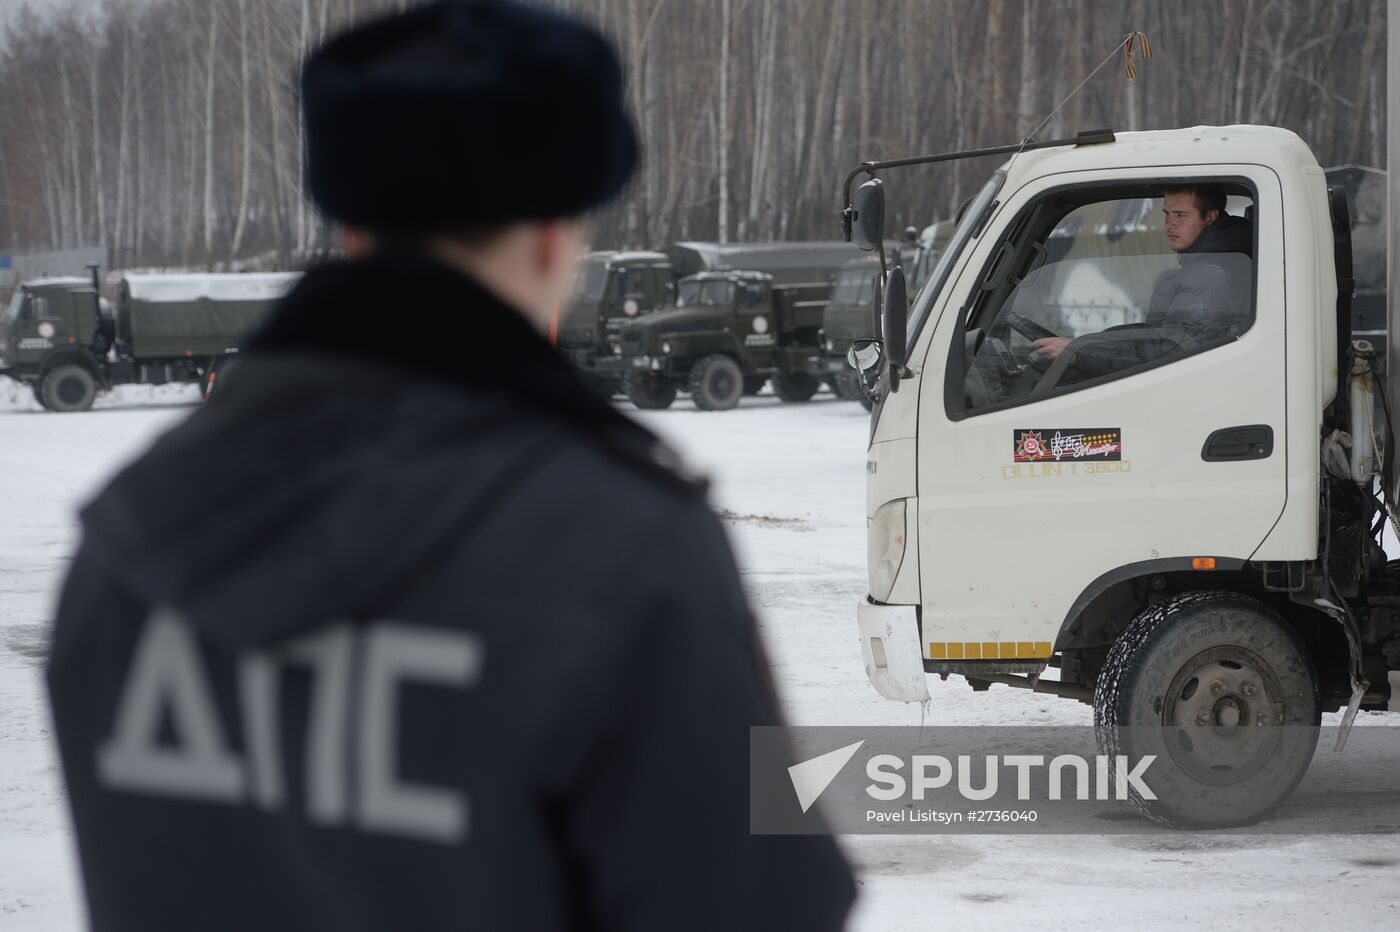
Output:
(408, 311)
(1227, 234)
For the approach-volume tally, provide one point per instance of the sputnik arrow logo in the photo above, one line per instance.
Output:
(811, 777)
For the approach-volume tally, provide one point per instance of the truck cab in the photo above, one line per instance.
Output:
(848, 318)
(1144, 510)
(848, 315)
(612, 288)
(54, 324)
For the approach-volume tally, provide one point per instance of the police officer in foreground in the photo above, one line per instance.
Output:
(406, 629)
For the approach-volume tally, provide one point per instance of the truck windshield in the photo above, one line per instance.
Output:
(972, 219)
(854, 288)
(592, 280)
(709, 293)
(12, 310)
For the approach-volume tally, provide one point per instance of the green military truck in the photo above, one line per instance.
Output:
(729, 333)
(777, 286)
(846, 320)
(848, 317)
(612, 288)
(59, 336)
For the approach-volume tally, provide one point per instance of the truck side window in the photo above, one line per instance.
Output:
(633, 284)
(1088, 288)
(752, 293)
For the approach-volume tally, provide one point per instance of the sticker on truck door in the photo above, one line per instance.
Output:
(1067, 444)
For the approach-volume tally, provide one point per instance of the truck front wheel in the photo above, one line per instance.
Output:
(795, 386)
(68, 387)
(649, 392)
(1219, 689)
(716, 383)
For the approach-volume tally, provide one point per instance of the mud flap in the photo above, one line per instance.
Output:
(889, 645)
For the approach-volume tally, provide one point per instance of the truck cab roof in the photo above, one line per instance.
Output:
(614, 258)
(729, 275)
(1196, 145)
(639, 257)
(60, 281)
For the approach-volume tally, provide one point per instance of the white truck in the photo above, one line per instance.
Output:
(1182, 522)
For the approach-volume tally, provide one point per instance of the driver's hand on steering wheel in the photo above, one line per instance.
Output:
(1051, 347)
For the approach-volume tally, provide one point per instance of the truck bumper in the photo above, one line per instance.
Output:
(663, 364)
(612, 365)
(889, 646)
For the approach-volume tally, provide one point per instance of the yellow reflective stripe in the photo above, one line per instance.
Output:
(990, 650)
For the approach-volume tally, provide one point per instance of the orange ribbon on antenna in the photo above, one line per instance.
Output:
(1145, 47)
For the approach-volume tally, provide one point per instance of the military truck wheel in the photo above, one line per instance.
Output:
(846, 385)
(795, 386)
(716, 383)
(753, 384)
(647, 391)
(38, 390)
(68, 387)
(1220, 690)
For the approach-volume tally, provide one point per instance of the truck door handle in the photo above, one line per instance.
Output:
(1254, 442)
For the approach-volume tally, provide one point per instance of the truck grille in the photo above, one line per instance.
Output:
(633, 341)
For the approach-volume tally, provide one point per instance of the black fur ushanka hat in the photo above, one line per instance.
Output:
(465, 114)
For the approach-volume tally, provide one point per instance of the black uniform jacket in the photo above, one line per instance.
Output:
(406, 630)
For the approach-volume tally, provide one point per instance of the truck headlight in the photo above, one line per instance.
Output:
(830, 346)
(666, 347)
(885, 548)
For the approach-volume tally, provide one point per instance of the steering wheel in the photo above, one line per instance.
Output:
(1028, 328)
(1031, 331)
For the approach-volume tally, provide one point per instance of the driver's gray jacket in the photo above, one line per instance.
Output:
(1206, 299)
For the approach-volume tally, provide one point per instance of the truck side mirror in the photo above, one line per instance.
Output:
(894, 324)
(868, 216)
(863, 355)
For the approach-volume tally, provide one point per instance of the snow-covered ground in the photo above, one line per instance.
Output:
(790, 482)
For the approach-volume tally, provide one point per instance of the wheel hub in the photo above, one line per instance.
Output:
(70, 391)
(1222, 714)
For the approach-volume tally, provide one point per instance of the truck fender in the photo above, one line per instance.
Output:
(1108, 604)
(1071, 628)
